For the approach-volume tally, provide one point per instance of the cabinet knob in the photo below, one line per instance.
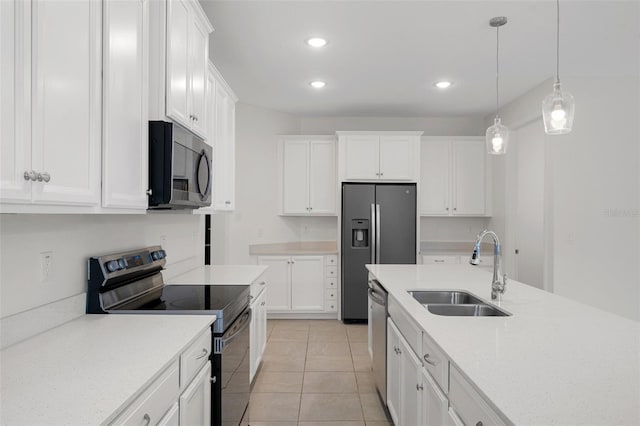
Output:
(146, 419)
(427, 360)
(447, 209)
(30, 175)
(455, 209)
(419, 387)
(227, 202)
(479, 424)
(381, 174)
(46, 177)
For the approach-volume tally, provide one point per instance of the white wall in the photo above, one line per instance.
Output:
(592, 192)
(72, 239)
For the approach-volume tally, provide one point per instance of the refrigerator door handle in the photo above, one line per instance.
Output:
(377, 233)
(373, 234)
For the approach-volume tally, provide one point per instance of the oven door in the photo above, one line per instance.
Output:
(234, 372)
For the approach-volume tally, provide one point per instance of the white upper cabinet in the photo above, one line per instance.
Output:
(178, 65)
(434, 180)
(125, 99)
(15, 90)
(368, 156)
(455, 177)
(59, 153)
(224, 144)
(308, 175)
(469, 175)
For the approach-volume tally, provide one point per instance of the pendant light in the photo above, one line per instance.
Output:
(497, 136)
(558, 107)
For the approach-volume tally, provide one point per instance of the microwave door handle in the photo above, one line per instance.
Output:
(203, 156)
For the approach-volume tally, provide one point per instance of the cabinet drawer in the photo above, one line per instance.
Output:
(331, 306)
(330, 294)
(155, 401)
(331, 282)
(331, 260)
(331, 271)
(435, 362)
(440, 260)
(257, 286)
(195, 357)
(407, 327)
(468, 404)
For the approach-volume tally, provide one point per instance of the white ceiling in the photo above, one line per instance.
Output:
(384, 56)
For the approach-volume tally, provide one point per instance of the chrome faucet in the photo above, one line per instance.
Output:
(497, 287)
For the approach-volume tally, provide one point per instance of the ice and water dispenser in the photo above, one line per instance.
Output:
(359, 233)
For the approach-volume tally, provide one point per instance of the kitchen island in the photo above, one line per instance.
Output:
(553, 361)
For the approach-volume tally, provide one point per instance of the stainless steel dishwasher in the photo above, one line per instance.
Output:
(378, 302)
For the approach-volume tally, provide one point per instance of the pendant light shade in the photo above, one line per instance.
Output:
(557, 111)
(497, 136)
(558, 107)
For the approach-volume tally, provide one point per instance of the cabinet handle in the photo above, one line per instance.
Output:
(427, 360)
(455, 209)
(203, 354)
(146, 419)
(263, 283)
(419, 387)
(227, 202)
(46, 177)
(31, 175)
(191, 117)
(447, 209)
(439, 260)
(310, 208)
(195, 117)
(250, 297)
(479, 424)
(381, 174)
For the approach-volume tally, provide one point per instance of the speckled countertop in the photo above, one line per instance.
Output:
(294, 248)
(88, 370)
(553, 362)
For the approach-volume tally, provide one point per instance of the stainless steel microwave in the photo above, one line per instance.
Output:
(179, 168)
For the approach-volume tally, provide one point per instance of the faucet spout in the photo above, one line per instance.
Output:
(499, 281)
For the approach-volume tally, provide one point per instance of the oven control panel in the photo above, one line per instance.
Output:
(130, 260)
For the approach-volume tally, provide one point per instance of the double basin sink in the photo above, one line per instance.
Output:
(456, 304)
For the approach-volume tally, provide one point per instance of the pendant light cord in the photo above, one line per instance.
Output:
(497, 70)
(557, 41)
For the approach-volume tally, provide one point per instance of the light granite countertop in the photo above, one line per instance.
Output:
(88, 370)
(220, 275)
(294, 248)
(553, 362)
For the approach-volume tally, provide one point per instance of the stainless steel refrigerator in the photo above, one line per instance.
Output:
(378, 226)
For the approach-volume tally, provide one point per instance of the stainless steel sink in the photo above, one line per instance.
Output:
(445, 297)
(476, 310)
(454, 303)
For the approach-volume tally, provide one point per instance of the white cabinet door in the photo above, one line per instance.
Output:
(295, 192)
(262, 326)
(15, 105)
(307, 283)
(67, 58)
(224, 151)
(198, 54)
(396, 158)
(278, 277)
(254, 338)
(410, 382)
(434, 178)
(210, 112)
(195, 401)
(125, 122)
(469, 160)
(434, 402)
(362, 157)
(393, 372)
(178, 84)
(172, 418)
(322, 177)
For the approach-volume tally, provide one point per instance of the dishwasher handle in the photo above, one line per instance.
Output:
(377, 299)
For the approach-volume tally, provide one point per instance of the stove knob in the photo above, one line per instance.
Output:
(163, 254)
(155, 255)
(121, 264)
(112, 265)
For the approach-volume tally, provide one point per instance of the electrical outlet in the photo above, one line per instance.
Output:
(46, 265)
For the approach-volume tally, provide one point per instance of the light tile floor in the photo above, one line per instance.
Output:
(315, 373)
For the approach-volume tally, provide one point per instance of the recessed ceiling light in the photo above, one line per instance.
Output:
(317, 84)
(316, 42)
(443, 84)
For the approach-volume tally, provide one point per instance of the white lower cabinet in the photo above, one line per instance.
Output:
(257, 331)
(434, 402)
(301, 284)
(468, 404)
(173, 398)
(404, 379)
(195, 401)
